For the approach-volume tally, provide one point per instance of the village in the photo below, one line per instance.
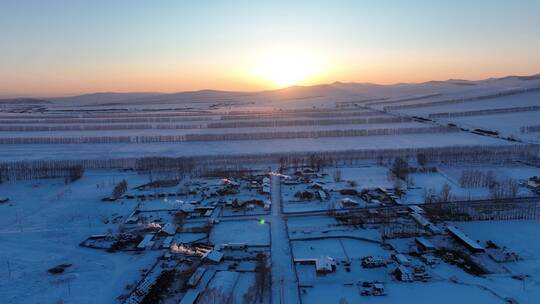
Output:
(286, 235)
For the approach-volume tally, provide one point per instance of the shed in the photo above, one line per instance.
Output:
(325, 264)
(146, 241)
(169, 229)
(424, 244)
(401, 259)
(213, 256)
(404, 274)
(347, 202)
(465, 240)
(196, 277)
(167, 242)
(416, 209)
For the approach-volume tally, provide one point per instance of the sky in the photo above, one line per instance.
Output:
(56, 48)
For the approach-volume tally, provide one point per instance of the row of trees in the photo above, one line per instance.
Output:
(462, 100)
(304, 122)
(447, 155)
(472, 178)
(223, 136)
(484, 112)
(94, 127)
(119, 190)
(318, 114)
(530, 129)
(104, 120)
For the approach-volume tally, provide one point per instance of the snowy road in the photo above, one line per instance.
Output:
(284, 282)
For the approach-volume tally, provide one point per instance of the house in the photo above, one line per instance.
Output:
(322, 195)
(169, 229)
(146, 242)
(378, 289)
(373, 262)
(196, 277)
(316, 186)
(213, 256)
(325, 264)
(372, 289)
(424, 244)
(347, 202)
(416, 209)
(465, 240)
(401, 259)
(425, 223)
(167, 242)
(266, 189)
(235, 246)
(533, 182)
(404, 274)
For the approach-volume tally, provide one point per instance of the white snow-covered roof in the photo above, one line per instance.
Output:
(465, 239)
(416, 209)
(169, 229)
(324, 263)
(349, 201)
(146, 242)
(425, 243)
(213, 255)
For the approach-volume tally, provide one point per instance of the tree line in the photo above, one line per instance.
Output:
(484, 112)
(462, 100)
(224, 136)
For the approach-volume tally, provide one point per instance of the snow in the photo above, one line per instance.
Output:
(250, 232)
(218, 148)
(43, 228)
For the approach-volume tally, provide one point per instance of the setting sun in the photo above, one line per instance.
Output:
(286, 70)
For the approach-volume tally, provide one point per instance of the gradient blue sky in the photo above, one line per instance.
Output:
(53, 47)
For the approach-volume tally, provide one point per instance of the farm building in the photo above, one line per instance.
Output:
(401, 259)
(325, 264)
(404, 274)
(465, 240)
(424, 244)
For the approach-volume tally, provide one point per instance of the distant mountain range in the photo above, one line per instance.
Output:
(340, 91)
